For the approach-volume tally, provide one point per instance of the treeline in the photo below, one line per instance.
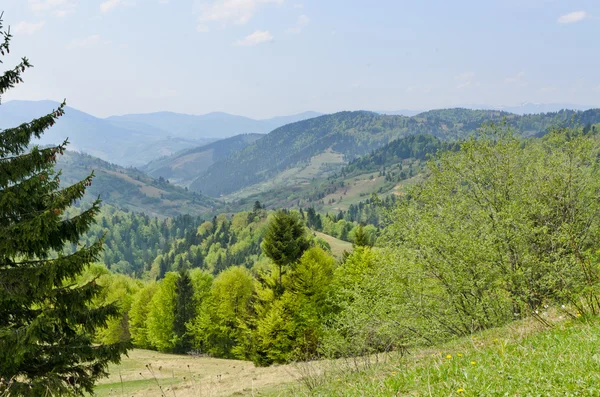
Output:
(147, 247)
(273, 312)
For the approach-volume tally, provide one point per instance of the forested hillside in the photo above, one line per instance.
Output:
(130, 189)
(490, 219)
(183, 167)
(353, 134)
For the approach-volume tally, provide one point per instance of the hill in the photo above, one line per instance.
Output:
(520, 359)
(183, 167)
(124, 144)
(217, 125)
(300, 152)
(131, 189)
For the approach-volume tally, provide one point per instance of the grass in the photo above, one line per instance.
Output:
(149, 373)
(337, 246)
(519, 360)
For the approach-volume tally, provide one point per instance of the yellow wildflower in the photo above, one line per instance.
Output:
(461, 390)
(459, 355)
(473, 363)
(449, 356)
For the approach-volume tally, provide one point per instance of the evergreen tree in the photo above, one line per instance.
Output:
(184, 310)
(47, 321)
(361, 239)
(285, 241)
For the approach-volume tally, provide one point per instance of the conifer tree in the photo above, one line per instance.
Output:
(47, 323)
(285, 241)
(361, 239)
(185, 310)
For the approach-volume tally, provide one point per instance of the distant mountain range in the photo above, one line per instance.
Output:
(522, 109)
(298, 152)
(134, 140)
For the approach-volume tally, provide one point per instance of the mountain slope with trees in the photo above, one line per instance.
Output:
(131, 189)
(354, 134)
(183, 167)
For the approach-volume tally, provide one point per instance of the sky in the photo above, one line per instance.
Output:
(265, 58)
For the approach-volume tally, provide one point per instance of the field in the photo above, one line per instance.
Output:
(522, 359)
(318, 167)
(149, 373)
(337, 246)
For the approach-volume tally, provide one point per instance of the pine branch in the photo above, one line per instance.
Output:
(15, 140)
(15, 169)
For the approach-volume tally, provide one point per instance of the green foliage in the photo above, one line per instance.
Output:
(140, 307)
(161, 316)
(219, 329)
(500, 229)
(285, 241)
(361, 238)
(185, 310)
(48, 321)
(290, 326)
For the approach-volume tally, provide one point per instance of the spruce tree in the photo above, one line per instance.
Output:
(285, 241)
(361, 239)
(47, 322)
(185, 310)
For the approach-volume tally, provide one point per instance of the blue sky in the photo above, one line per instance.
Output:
(263, 58)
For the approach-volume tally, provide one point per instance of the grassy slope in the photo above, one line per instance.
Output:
(519, 360)
(522, 359)
(337, 246)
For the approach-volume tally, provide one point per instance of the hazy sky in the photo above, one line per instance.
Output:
(263, 58)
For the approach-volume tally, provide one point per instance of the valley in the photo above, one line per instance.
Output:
(183, 226)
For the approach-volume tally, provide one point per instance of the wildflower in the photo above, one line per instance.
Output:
(578, 314)
(449, 356)
(393, 372)
(461, 390)
(459, 355)
(473, 363)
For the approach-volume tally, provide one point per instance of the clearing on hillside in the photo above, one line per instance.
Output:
(148, 373)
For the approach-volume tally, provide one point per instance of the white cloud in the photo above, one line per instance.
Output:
(465, 80)
(28, 28)
(84, 43)
(256, 38)
(59, 8)
(573, 17)
(202, 28)
(108, 5)
(302, 21)
(233, 11)
(518, 78)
